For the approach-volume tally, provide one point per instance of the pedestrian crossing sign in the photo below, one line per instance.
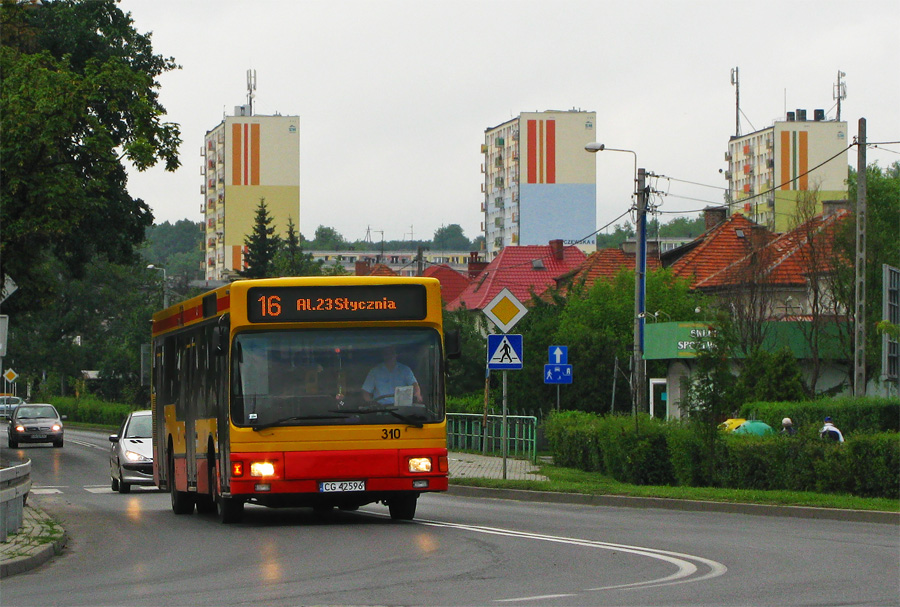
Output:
(504, 352)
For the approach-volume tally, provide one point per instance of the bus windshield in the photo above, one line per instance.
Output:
(336, 376)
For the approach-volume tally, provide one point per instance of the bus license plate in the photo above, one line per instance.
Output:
(341, 486)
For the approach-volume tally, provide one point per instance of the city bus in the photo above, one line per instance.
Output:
(321, 392)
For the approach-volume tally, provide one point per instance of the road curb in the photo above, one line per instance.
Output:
(620, 501)
(34, 555)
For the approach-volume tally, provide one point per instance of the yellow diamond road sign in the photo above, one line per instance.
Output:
(10, 375)
(505, 310)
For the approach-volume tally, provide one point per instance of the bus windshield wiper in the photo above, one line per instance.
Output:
(391, 410)
(298, 418)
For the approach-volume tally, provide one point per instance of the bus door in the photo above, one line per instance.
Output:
(189, 408)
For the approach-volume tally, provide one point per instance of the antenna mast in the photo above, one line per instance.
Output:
(251, 86)
(735, 80)
(840, 92)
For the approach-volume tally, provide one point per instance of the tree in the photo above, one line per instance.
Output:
(882, 247)
(79, 98)
(451, 238)
(262, 245)
(328, 239)
(291, 260)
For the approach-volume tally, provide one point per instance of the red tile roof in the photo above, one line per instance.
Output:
(786, 259)
(605, 263)
(381, 269)
(718, 248)
(452, 282)
(514, 269)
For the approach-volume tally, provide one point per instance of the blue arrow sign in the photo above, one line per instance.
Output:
(557, 374)
(504, 351)
(559, 355)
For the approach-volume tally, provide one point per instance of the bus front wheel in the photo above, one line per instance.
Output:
(403, 506)
(229, 509)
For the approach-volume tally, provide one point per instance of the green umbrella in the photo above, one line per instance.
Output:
(754, 427)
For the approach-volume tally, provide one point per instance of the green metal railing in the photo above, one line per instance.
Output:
(477, 432)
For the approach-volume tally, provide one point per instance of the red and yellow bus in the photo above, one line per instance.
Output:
(320, 392)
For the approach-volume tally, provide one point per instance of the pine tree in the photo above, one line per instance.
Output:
(262, 246)
(291, 260)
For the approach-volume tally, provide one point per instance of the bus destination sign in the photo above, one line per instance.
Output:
(336, 303)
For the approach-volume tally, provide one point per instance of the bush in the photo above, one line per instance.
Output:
(91, 410)
(659, 453)
(573, 438)
(850, 414)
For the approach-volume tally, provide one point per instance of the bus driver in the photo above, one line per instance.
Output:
(382, 380)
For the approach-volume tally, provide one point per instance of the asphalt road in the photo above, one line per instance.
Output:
(132, 550)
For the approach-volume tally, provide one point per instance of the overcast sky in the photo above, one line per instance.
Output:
(394, 96)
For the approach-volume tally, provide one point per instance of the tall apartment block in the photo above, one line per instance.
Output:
(539, 183)
(771, 169)
(247, 159)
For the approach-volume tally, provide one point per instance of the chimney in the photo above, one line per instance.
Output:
(476, 265)
(713, 216)
(831, 207)
(556, 247)
(363, 268)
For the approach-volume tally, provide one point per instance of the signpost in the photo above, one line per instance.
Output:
(504, 351)
(558, 371)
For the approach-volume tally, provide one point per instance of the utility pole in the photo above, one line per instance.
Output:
(420, 262)
(640, 272)
(859, 318)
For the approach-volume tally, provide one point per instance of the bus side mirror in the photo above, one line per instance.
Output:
(452, 343)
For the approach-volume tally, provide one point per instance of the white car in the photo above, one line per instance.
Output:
(131, 452)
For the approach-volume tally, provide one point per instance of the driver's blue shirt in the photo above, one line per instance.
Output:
(381, 381)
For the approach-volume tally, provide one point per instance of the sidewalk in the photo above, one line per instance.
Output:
(40, 538)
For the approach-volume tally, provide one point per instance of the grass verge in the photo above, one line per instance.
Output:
(569, 480)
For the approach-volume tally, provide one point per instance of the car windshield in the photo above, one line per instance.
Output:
(339, 376)
(34, 412)
(139, 427)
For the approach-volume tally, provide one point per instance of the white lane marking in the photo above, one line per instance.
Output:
(98, 489)
(685, 569)
(86, 444)
(45, 490)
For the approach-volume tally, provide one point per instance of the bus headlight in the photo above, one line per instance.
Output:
(262, 469)
(420, 464)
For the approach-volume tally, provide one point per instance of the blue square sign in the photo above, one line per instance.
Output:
(557, 374)
(504, 352)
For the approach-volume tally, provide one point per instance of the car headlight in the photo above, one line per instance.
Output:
(420, 464)
(20, 428)
(56, 427)
(131, 456)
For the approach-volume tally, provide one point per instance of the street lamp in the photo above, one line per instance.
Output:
(165, 292)
(640, 274)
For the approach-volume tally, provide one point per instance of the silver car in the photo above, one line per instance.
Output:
(35, 423)
(131, 452)
(8, 405)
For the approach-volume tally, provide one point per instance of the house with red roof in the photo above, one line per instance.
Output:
(452, 282)
(772, 278)
(523, 270)
(364, 268)
(602, 264)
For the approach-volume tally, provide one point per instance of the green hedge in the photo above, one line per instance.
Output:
(850, 414)
(674, 453)
(91, 410)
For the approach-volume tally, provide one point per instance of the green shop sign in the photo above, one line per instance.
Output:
(668, 340)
